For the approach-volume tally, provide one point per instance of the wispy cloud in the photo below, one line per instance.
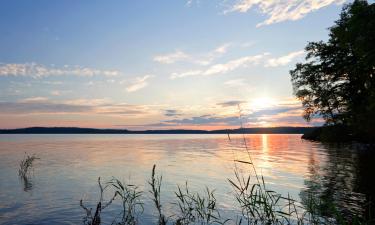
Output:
(35, 70)
(42, 105)
(52, 82)
(186, 74)
(221, 49)
(263, 59)
(204, 120)
(224, 67)
(279, 11)
(137, 83)
(231, 103)
(172, 113)
(200, 59)
(284, 60)
(56, 93)
(235, 83)
(172, 57)
(34, 99)
(189, 3)
(283, 114)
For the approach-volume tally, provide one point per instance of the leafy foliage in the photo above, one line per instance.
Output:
(337, 81)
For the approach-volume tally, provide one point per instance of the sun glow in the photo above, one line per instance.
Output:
(262, 103)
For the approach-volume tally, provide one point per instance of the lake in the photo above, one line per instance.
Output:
(69, 167)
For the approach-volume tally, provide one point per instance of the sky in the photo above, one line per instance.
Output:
(156, 64)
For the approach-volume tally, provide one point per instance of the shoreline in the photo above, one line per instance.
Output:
(77, 130)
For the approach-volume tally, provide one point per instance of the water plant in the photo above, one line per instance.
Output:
(26, 164)
(258, 205)
(197, 209)
(25, 167)
(95, 219)
(155, 184)
(131, 203)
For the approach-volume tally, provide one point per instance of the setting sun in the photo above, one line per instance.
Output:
(262, 103)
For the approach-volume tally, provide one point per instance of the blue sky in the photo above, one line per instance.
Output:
(155, 64)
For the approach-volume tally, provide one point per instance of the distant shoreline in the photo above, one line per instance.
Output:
(78, 130)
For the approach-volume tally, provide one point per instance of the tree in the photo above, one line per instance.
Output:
(337, 81)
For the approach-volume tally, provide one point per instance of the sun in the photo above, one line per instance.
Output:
(262, 103)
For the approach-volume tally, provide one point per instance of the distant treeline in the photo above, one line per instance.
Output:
(77, 130)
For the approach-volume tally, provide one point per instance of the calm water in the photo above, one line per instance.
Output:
(70, 165)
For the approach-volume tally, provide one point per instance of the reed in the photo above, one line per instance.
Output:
(130, 198)
(155, 184)
(95, 219)
(197, 209)
(258, 204)
(261, 205)
(26, 164)
(24, 171)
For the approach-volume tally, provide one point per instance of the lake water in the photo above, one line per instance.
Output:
(70, 165)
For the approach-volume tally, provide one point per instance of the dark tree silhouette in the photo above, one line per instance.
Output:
(337, 81)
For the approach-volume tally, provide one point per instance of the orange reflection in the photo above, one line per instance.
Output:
(265, 142)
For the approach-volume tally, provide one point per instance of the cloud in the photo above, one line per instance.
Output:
(200, 59)
(41, 105)
(171, 57)
(275, 110)
(186, 74)
(39, 71)
(235, 83)
(172, 113)
(283, 60)
(279, 11)
(56, 93)
(263, 59)
(60, 92)
(211, 56)
(189, 3)
(122, 109)
(223, 68)
(52, 82)
(287, 112)
(138, 83)
(279, 114)
(231, 103)
(30, 107)
(221, 49)
(204, 120)
(35, 99)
